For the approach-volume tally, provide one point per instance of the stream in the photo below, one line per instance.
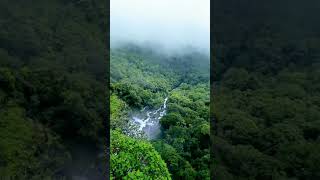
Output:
(148, 120)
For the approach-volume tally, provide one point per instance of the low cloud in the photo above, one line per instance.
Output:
(172, 24)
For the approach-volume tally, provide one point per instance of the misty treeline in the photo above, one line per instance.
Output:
(52, 88)
(266, 100)
(143, 77)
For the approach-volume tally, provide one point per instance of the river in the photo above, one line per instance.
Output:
(148, 120)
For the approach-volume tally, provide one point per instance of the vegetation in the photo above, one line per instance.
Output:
(52, 87)
(141, 77)
(266, 92)
(141, 157)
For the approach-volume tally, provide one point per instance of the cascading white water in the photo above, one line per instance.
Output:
(148, 120)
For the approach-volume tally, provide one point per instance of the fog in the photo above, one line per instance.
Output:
(170, 24)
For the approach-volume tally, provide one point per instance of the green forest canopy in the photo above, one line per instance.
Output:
(141, 78)
(52, 88)
(53, 76)
(267, 90)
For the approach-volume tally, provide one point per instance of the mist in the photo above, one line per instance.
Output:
(170, 24)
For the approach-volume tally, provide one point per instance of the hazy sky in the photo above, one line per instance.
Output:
(171, 23)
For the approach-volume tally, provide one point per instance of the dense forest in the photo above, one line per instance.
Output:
(265, 99)
(142, 77)
(53, 73)
(266, 90)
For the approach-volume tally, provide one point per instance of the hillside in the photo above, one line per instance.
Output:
(52, 88)
(266, 101)
(142, 78)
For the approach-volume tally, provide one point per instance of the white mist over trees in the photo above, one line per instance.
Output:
(171, 24)
(159, 73)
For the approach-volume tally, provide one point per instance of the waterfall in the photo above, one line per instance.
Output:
(148, 120)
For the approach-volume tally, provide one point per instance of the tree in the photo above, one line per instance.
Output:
(133, 158)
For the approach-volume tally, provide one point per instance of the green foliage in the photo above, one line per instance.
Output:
(269, 118)
(178, 166)
(266, 91)
(118, 112)
(301, 159)
(140, 78)
(27, 150)
(171, 119)
(52, 84)
(135, 159)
